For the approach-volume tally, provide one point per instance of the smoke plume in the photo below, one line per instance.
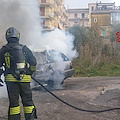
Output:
(25, 16)
(22, 15)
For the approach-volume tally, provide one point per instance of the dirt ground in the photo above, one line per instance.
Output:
(90, 93)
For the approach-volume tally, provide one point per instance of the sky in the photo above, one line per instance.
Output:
(84, 3)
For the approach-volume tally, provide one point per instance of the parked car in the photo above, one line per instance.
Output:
(53, 68)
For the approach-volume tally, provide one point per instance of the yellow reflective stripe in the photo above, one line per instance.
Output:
(7, 59)
(32, 68)
(8, 32)
(28, 109)
(24, 63)
(18, 34)
(15, 110)
(11, 78)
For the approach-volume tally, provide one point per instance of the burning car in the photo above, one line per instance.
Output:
(53, 68)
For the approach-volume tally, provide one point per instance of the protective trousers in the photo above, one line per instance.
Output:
(23, 89)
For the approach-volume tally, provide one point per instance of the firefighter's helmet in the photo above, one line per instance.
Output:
(12, 33)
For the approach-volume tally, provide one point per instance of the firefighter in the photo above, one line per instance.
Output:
(19, 64)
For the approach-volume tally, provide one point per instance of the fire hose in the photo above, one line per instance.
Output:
(80, 109)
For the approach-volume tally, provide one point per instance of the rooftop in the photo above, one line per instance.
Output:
(78, 10)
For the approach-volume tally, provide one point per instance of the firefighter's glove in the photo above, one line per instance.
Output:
(29, 72)
(1, 82)
(31, 69)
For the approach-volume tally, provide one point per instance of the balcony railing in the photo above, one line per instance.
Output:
(49, 2)
(46, 2)
(48, 14)
(46, 28)
(59, 2)
(58, 10)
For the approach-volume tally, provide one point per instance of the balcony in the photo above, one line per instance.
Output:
(44, 3)
(58, 11)
(59, 2)
(48, 15)
(66, 21)
(46, 28)
(74, 19)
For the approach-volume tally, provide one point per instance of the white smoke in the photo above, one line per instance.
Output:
(59, 40)
(22, 15)
(25, 16)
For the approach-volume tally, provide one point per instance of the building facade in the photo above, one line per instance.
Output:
(78, 17)
(99, 16)
(92, 7)
(103, 16)
(53, 14)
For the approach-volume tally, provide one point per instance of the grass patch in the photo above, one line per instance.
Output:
(104, 70)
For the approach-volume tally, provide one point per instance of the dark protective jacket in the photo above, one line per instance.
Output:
(6, 62)
(16, 87)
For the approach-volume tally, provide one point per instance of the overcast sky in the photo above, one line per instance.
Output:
(84, 3)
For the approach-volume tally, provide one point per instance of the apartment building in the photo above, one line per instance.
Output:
(78, 17)
(100, 16)
(53, 14)
(103, 16)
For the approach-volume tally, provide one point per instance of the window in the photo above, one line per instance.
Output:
(54, 56)
(64, 57)
(92, 8)
(95, 20)
(42, 10)
(43, 1)
(83, 15)
(103, 33)
(40, 56)
(75, 15)
(43, 23)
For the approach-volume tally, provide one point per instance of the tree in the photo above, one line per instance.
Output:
(79, 34)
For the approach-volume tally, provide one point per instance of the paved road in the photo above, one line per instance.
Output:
(94, 93)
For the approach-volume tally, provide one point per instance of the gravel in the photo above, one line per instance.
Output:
(91, 93)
